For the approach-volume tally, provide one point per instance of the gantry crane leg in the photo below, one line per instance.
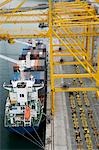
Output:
(51, 58)
(97, 83)
(88, 46)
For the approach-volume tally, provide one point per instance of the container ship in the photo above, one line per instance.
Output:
(26, 102)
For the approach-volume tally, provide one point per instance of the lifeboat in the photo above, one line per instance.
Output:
(27, 113)
(36, 65)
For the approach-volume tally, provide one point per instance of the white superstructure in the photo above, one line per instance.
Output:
(23, 94)
(25, 101)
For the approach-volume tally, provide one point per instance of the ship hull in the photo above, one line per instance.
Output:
(22, 130)
(27, 130)
(40, 75)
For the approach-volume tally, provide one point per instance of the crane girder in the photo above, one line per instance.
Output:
(75, 26)
(5, 2)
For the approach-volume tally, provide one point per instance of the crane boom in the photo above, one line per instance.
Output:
(21, 65)
(5, 2)
(28, 44)
(9, 59)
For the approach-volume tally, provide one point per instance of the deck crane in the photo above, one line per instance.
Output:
(32, 44)
(21, 63)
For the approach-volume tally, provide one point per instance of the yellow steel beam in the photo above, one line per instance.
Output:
(20, 10)
(85, 8)
(74, 40)
(60, 11)
(13, 11)
(93, 40)
(65, 52)
(75, 23)
(79, 54)
(67, 63)
(77, 1)
(82, 34)
(79, 16)
(76, 18)
(62, 45)
(19, 6)
(14, 18)
(24, 14)
(76, 89)
(97, 83)
(90, 13)
(59, 3)
(95, 25)
(98, 66)
(88, 45)
(51, 58)
(75, 56)
(28, 33)
(27, 21)
(56, 76)
(32, 17)
(76, 6)
(67, 4)
(57, 52)
(78, 44)
(68, 54)
(23, 36)
(5, 2)
(22, 33)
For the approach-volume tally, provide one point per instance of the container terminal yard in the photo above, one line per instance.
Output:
(66, 35)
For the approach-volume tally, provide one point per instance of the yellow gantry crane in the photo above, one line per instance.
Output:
(16, 20)
(74, 25)
(4, 3)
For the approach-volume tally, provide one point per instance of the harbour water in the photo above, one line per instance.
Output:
(9, 141)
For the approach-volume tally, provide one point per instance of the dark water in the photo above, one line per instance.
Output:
(9, 141)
